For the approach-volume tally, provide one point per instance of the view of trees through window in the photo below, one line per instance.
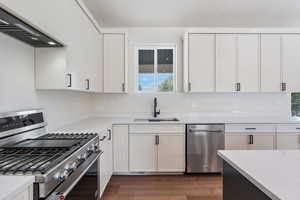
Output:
(156, 70)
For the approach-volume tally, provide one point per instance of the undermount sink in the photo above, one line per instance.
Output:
(159, 120)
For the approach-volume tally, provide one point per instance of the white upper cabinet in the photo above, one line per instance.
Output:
(73, 28)
(248, 62)
(237, 62)
(271, 63)
(226, 62)
(291, 62)
(201, 62)
(114, 63)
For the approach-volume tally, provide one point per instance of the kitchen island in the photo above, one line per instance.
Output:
(262, 174)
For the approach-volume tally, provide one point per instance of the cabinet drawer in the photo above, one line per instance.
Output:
(288, 141)
(250, 128)
(165, 128)
(288, 128)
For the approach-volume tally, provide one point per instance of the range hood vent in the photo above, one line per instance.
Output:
(18, 29)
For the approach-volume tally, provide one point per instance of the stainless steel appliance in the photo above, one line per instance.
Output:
(61, 163)
(202, 143)
(20, 30)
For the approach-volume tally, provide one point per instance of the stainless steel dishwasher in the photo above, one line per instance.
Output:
(202, 143)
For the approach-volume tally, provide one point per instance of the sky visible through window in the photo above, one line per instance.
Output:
(156, 70)
(146, 80)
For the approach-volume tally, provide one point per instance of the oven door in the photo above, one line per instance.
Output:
(82, 184)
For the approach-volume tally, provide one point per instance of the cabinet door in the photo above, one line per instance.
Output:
(102, 173)
(109, 153)
(94, 69)
(226, 62)
(201, 62)
(287, 141)
(291, 62)
(142, 153)
(236, 141)
(120, 148)
(263, 142)
(270, 63)
(248, 62)
(114, 63)
(171, 153)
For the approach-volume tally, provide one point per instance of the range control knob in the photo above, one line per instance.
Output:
(85, 155)
(66, 173)
(92, 148)
(82, 157)
(74, 165)
(59, 176)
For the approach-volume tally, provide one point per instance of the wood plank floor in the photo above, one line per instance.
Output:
(200, 187)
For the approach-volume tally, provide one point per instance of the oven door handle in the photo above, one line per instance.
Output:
(63, 190)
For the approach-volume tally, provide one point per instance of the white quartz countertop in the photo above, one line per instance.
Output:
(101, 123)
(276, 173)
(10, 186)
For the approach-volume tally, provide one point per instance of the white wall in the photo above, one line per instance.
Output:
(17, 87)
(222, 103)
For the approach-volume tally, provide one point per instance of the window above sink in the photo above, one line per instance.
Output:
(156, 68)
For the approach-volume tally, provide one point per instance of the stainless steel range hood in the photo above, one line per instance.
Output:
(15, 27)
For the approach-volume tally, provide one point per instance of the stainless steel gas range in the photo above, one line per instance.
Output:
(61, 163)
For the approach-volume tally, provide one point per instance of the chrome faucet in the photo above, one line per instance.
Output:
(155, 111)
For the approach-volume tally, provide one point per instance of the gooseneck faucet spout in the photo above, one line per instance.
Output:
(155, 111)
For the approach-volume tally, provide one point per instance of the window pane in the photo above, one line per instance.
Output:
(295, 104)
(146, 70)
(165, 70)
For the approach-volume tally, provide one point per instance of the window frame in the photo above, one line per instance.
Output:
(155, 47)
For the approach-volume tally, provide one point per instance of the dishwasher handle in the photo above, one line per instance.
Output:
(205, 131)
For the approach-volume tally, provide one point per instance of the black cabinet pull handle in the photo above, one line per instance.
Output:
(70, 80)
(87, 84)
(238, 87)
(283, 87)
(251, 139)
(109, 134)
(157, 139)
(123, 87)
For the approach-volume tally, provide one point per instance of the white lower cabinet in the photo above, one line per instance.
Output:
(157, 152)
(287, 141)
(171, 153)
(106, 161)
(250, 141)
(120, 148)
(250, 137)
(288, 136)
(102, 174)
(142, 153)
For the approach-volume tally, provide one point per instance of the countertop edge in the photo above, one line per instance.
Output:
(248, 177)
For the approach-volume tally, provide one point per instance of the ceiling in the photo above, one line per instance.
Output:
(195, 13)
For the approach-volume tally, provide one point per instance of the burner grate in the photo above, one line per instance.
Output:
(36, 156)
(29, 161)
(66, 136)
